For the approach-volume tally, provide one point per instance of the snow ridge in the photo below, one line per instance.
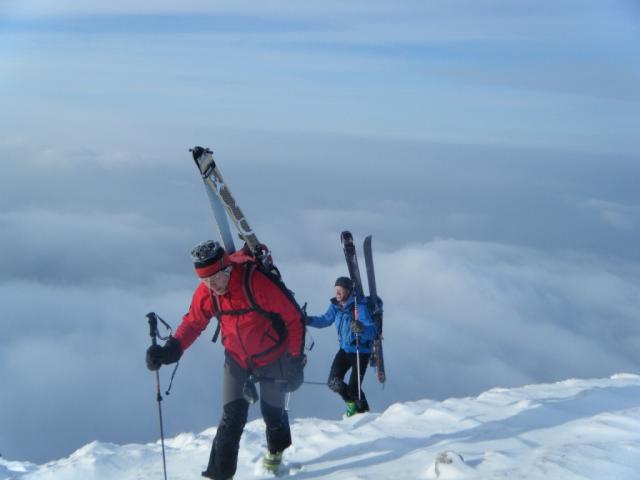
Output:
(570, 430)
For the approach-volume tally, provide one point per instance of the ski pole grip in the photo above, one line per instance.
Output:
(153, 326)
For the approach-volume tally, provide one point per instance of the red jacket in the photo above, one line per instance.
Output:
(249, 336)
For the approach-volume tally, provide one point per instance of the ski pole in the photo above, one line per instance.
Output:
(355, 319)
(358, 366)
(153, 332)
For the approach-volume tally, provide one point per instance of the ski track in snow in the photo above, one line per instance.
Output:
(571, 430)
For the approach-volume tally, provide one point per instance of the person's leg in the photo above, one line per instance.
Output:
(352, 389)
(223, 459)
(274, 414)
(272, 407)
(341, 364)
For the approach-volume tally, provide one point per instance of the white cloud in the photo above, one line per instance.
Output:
(512, 313)
(615, 214)
(84, 246)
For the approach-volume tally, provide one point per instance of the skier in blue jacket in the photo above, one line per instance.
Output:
(355, 336)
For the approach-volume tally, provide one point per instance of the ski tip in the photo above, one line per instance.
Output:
(198, 151)
(346, 236)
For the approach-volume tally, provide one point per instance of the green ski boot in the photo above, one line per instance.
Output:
(351, 410)
(272, 461)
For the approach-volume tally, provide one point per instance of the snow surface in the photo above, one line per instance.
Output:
(576, 429)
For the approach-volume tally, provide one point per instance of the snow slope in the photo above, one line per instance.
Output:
(576, 429)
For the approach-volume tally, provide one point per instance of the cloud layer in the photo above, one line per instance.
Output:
(460, 317)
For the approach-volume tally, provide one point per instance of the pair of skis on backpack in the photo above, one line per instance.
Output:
(225, 207)
(374, 302)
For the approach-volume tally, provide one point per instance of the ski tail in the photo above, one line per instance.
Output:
(220, 195)
(351, 258)
(379, 360)
(203, 157)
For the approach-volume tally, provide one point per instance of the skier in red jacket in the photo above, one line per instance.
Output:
(263, 336)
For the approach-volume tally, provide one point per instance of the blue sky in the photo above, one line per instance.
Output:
(495, 73)
(491, 148)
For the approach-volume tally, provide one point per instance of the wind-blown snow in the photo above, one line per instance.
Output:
(576, 429)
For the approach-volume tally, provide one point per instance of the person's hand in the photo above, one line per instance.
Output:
(357, 326)
(154, 355)
(293, 370)
(306, 319)
(305, 316)
(163, 355)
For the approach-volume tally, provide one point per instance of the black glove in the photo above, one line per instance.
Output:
(357, 326)
(293, 372)
(169, 353)
(305, 317)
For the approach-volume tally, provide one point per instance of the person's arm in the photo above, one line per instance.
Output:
(322, 321)
(196, 320)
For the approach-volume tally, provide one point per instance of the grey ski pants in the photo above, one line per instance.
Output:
(223, 459)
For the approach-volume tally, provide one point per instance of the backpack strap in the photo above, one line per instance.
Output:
(220, 313)
(216, 309)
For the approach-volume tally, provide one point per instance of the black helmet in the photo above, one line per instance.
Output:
(205, 257)
(344, 282)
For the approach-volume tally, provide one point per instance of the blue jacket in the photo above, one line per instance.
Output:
(342, 316)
